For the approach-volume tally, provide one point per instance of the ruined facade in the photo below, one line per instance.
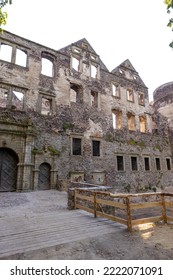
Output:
(65, 117)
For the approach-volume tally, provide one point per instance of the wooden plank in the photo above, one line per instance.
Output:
(169, 203)
(112, 218)
(147, 220)
(169, 219)
(85, 197)
(93, 191)
(145, 205)
(123, 195)
(84, 208)
(111, 203)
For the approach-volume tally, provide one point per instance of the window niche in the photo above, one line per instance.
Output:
(120, 163)
(76, 146)
(147, 163)
(158, 166)
(47, 64)
(75, 63)
(141, 98)
(134, 163)
(117, 119)
(5, 52)
(130, 95)
(94, 71)
(17, 100)
(96, 148)
(46, 106)
(3, 97)
(168, 163)
(95, 99)
(76, 93)
(131, 121)
(115, 90)
(21, 57)
(142, 124)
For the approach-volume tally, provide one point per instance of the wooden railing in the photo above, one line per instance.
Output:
(128, 209)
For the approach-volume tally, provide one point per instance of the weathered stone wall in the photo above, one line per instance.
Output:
(59, 119)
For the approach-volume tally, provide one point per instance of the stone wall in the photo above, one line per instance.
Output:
(80, 99)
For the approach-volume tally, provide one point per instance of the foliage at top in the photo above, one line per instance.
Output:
(3, 15)
(169, 4)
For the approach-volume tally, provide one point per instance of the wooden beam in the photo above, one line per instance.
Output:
(147, 220)
(111, 203)
(145, 205)
(85, 208)
(112, 218)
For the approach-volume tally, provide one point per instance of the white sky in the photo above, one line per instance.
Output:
(116, 29)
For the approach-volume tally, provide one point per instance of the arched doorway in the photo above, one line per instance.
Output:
(44, 176)
(8, 170)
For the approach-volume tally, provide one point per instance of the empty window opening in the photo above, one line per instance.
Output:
(168, 163)
(142, 123)
(46, 106)
(120, 163)
(76, 93)
(46, 67)
(94, 71)
(134, 164)
(5, 52)
(94, 99)
(121, 71)
(93, 57)
(96, 148)
(76, 50)
(76, 146)
(147, 163)
(117, 119)
(130, 96)
(3, 97)
(115, 90)
(75, 63)
(17, 100)
(21, 58)
(131, 121)
(141, 98)
(158, 166)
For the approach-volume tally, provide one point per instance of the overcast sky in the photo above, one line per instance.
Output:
(116, 29)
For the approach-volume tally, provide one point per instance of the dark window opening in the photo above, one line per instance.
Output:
(76, 146)
(134, 163)
(158, 167)
(96, 148)
(168, 163)
(147, 163)
(120, 163)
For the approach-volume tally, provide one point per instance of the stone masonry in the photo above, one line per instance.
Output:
(65, 117)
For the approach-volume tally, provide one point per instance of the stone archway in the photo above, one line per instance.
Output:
(8, 170)
(44, 176)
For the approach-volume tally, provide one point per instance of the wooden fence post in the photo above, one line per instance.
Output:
(95, 206)
(164, 216)
(129, 218)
